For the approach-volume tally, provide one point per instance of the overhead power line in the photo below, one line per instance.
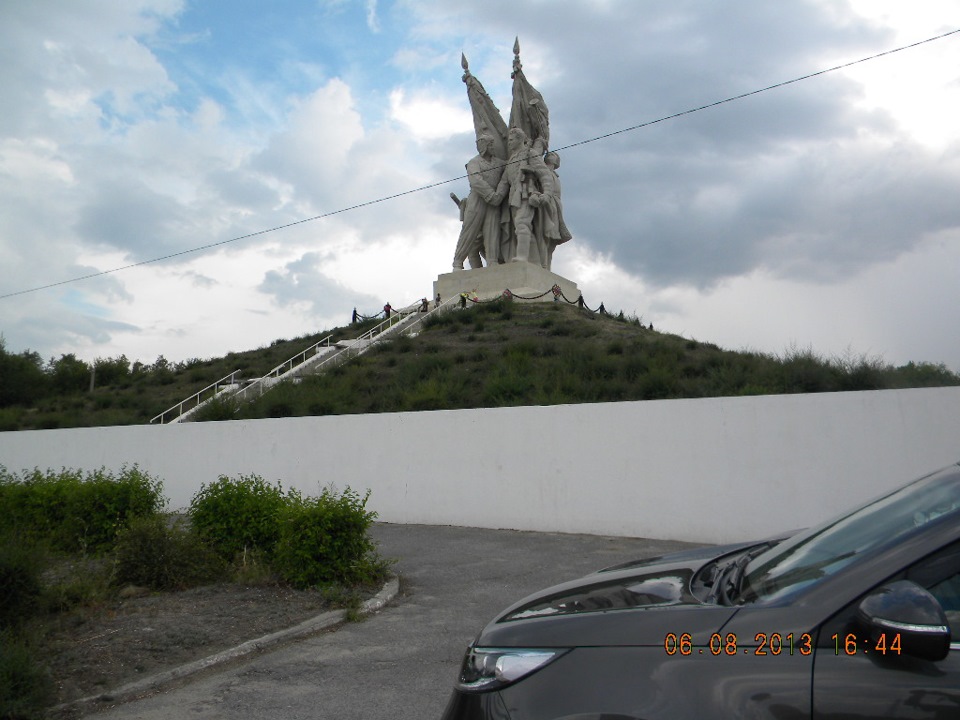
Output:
(421, 188)
(741, 96)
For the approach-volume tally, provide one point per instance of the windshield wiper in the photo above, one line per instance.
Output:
(736, 577)
(718, 593)
(728, 583)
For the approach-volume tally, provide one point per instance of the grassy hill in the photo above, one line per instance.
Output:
(491, 355)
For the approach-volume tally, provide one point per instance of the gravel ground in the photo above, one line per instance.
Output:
(95, 650)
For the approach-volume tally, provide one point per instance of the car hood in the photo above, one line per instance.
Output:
(629, 604)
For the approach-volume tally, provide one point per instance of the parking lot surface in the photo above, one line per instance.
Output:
(400, 663)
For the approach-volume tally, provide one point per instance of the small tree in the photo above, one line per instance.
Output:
(22, 380)
(69, 374)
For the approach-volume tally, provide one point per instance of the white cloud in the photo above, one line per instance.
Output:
(429, 117)
(373, 22)
(828, 204)
(919, 87)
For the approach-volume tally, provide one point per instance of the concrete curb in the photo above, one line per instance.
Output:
(307, 627)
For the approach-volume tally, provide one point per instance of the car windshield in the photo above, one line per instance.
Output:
(817, 553)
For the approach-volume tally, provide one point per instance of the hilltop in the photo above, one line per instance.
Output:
(489, 355)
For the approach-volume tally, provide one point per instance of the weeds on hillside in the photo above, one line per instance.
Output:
(501, 353)
(470, 358)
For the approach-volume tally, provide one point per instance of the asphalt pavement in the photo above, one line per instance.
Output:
(399, 663)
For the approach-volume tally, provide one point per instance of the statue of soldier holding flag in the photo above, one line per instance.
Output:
(513, 212)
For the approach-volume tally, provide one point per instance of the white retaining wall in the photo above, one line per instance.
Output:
(711, 470)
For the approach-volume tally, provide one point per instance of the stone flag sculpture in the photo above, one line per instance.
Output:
(513, 212)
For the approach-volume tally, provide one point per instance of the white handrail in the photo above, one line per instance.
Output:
(216, 391)
(373, 335)
(276, 372)
(358, 345)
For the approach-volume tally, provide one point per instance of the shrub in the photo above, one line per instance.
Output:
(804, 371)
(22, 379)
(656, 384)
(25, 687)
(430, 394)
(76, 512)
(860, 373)
(237, 514)
(521, 349)
(252, 569)
(111, 371)
(75, 582)
(324, 540)
(20, 586)
(436, 320)
(924, 375)
(280, 409)
(506, 387)
(423, 367)
(633, 368)
(70, 374)
(162, 555)
(217, 408)
(9, 419)
(103, 505)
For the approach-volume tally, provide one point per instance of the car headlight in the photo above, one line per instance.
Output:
(491, 668)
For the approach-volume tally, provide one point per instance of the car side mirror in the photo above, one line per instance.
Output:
(903, 611)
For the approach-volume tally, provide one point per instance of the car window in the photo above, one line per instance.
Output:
(940, 574)
(809, 557)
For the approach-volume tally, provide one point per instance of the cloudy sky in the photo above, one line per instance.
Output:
(822, 214)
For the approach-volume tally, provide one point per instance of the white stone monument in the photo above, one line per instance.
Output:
(513, 216)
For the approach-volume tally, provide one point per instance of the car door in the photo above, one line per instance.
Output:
(854, 678)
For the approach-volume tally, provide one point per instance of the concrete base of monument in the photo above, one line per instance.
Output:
(520, 278)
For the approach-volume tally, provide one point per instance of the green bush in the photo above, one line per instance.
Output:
(924, 375)
(73, 582)
(430, 394)
(218, 408)
(324, 540)
(20, 586)
(237, 514)
(10, 419)
(252, 569)
(161, 554)
(423, 367)
(74, 512)
(26, 689)
(280, 409)
(507, 387)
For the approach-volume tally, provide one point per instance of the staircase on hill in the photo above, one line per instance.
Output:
(226, 385)
(319, 357)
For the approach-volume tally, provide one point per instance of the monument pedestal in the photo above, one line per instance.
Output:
(520, 278)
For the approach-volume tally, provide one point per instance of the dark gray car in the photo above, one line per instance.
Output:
(850, 619)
